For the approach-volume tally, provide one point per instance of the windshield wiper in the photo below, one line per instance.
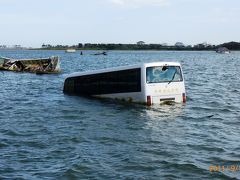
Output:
(173, 77)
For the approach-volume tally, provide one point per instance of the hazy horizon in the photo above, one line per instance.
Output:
(32, 23)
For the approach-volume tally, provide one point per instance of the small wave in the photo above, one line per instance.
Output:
(207, 148)
(111, 140)
(3, 144)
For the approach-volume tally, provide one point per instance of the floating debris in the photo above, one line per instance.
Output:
(39, 66)
(101, 53)
(70, 51)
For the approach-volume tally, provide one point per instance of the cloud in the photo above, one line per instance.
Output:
(138, 3)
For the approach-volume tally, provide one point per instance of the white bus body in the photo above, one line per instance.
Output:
(148, 83)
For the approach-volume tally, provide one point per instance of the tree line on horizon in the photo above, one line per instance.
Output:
(142, 46)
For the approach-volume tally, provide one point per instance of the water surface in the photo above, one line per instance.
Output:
(45, 134)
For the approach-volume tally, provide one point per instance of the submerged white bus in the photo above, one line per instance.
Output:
(148, 83)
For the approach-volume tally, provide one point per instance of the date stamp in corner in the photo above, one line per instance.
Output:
(222, 168)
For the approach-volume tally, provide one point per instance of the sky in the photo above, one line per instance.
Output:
(31, 23)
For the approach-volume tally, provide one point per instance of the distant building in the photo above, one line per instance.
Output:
(17, 47)
(205, 44)
(164, 44)
(140, 43)
(3, 46)
(179, 44)
(202, 45)
(80, 45)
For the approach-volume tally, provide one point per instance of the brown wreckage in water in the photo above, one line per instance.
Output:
(40, 66)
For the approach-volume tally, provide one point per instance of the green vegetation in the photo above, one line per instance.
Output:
(142, 46)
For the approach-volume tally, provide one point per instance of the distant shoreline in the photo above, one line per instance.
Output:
(134, 48)
(59, 49)
(232, 46)
(121, 49)
(142, 46)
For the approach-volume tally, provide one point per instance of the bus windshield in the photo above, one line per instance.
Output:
(160, 74)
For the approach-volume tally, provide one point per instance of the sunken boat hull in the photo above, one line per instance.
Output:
(40, 66)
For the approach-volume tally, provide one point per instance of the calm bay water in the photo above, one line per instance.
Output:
(45, 134)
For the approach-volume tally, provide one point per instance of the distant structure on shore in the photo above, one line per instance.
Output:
(223, 50)
(70, 50)
(140, 45)
(14, 47)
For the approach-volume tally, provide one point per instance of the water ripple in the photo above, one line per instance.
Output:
(45, 134)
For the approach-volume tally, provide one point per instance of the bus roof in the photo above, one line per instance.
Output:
(141, 65)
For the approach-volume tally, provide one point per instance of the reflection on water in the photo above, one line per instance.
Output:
(164, 111)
